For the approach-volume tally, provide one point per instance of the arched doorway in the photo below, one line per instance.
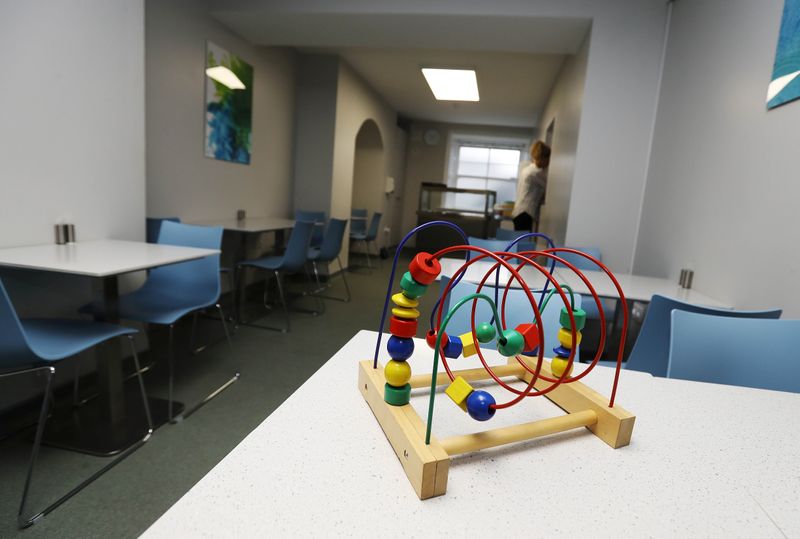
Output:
(368, 175)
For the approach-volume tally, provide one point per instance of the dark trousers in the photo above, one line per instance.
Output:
(523, 221)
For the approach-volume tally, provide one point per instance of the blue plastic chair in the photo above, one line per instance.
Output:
(30, 345)
(317, 217)
(174, 291)
(518, 311)
(369, 236)
(508, 235)
(585, 264)
(745, 352)
(328, 252)
(292, 261)
(358, 221)
(650, 352)
(154, 227)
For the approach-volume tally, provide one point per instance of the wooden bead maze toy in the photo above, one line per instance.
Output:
(387, 389)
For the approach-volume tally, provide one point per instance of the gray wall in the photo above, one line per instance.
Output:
(315, 123)
(72, 144)
(426, 163)
(181, 181)
(564, 106)
(722, 190)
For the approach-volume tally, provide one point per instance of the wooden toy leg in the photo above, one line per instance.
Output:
(425, 465)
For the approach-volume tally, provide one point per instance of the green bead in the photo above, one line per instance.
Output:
(580, 318)
(485, 332)
(514, 343)
(411, 288)
(397, 396)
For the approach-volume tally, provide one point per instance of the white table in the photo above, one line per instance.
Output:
(635, 287)
(705, 460)
(104, 260)
(256, 225)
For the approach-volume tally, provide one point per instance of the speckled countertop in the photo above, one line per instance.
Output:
(704, 460)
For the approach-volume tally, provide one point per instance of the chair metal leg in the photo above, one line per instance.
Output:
(310, 292)
(22, 520)
(229, 382)
(366, 250)
(345, 299)
(171, 363)
(25, 521)
(278, 276)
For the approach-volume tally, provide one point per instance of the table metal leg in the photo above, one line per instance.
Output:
(116, 420)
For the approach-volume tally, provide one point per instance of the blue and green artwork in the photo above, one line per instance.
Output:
(229, 105)
(785, 84)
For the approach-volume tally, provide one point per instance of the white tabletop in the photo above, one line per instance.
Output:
(705, 460)
(250, 224)
(635, 287)
(100, 258)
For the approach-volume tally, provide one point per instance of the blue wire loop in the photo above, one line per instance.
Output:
(394, 269)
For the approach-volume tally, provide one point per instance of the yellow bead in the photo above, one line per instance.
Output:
(459, 390)
(565, 338)
(468, 343)
(558, 365)
(401, 300)
(397, 373)
(401, 312)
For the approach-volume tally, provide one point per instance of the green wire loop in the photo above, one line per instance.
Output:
(500, 339)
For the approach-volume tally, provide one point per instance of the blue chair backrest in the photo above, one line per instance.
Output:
(195, 278)
(358, 221)
(14, 349)
(585, 264)
(650, 353)
(332, 243)
(154, 227)
(508, 235)
(735, 351)
(498, 245)
(494, 246)
(316, 217)
(518, 311)
(580, 262)
(372, 232)
(294, 259)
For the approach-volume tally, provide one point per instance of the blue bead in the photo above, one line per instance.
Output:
(478, 405)
(454, 347)
(400, 348)
(561, 351)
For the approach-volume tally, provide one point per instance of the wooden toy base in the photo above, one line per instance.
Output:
(427, 466)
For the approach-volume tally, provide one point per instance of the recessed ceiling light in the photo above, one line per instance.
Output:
(225, 76)
(452, 84)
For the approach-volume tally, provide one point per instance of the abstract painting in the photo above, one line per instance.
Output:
(785, 84)
(229, 105)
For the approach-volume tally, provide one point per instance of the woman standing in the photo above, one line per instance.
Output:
(531, 186)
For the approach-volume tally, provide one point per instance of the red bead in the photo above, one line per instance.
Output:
(424, 268)
(430, 338)
(400, 327)
(530, 332)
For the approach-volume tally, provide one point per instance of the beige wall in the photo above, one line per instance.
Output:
(564, 106)
(428, 163)
(181, 181)
(357, 102)
(722, 191)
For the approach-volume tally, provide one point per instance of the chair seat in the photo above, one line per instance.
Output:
(358, 236)
(313, 253)
(152, 306)
(268, 263)
(54, 339)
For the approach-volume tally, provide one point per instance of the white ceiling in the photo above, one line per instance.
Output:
(517, 59)
(513, 87)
